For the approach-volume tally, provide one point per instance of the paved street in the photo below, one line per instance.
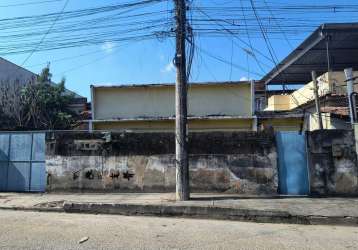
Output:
(34, 230)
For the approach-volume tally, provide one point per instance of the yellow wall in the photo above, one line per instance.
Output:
(168, 126)
(284, 124)
(328, 121)
(310, 124)
(313, 122)
(159, 101)
(279, 102)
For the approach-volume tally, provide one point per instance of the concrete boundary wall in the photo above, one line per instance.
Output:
(240, 162)
(332, 162)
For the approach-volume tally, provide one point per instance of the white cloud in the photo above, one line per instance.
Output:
(108, 47)
(244, 79)
(169, 68)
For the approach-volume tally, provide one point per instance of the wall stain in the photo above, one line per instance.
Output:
(89, 175)
(127, 175)
(115, 175)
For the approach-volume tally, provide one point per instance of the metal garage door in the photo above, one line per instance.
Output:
(22, 162)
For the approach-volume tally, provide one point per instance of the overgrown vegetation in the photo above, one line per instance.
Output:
(36, 105)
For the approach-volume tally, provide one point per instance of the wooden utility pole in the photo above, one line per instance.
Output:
(181, 108)
(316, 97)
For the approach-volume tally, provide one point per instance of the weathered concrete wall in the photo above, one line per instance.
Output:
(333, 162)
(244, 162)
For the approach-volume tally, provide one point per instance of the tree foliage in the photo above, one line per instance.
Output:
(38, 105)
(12, 111)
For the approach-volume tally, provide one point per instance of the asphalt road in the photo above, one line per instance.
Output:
(34, 230)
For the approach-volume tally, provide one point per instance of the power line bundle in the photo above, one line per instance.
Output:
(131, 21)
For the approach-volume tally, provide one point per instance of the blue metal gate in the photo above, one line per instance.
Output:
(292, 159)
(22, 162)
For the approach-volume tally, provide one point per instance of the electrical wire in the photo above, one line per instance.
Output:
(45, 35)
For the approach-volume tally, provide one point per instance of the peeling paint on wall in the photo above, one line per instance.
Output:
(225, 162)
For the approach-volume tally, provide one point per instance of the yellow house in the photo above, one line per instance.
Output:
(223, 106)
(332, 93)
(328, 51)
(328, 83)
(281, 120)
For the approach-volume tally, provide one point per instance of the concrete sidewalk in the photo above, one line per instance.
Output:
(333, 211)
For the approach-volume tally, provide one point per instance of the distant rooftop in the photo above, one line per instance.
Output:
(333, 46)
(12, 71)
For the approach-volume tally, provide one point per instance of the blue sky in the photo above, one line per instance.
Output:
(150, 61)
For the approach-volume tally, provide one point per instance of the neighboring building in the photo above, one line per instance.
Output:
(10, 72)
(327, 51)
(331, 47)
(332, 97)
(278, 120)
(219, 106)
(330, 83)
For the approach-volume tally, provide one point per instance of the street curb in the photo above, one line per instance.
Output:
(207, 212)
(199, 212)
(35, 209)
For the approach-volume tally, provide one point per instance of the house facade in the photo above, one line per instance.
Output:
(220, 106)
(332, 89)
